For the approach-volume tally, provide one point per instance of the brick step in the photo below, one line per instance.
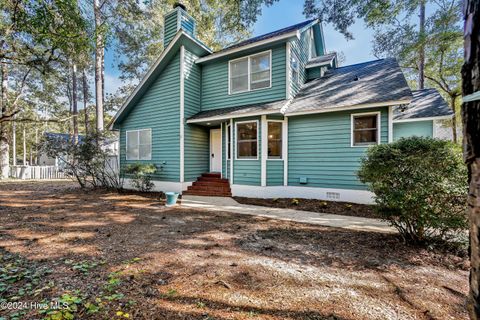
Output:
(213, 179)
(208, 188)
(211, 183)
(211, 175)
(207, 193)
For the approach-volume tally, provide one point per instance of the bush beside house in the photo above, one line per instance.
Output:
(420, 186)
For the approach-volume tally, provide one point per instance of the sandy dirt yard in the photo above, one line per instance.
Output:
(103, 255)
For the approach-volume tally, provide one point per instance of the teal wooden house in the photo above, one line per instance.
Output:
(272, 116)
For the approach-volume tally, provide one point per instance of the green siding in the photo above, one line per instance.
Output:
(320, 149)
(300, 48)
(158, 109)
(196, 143)
(169, 28)
(247, 172)
(215, 84)
(314, 73)
(187, 23)
(274, 172)
(415, 128)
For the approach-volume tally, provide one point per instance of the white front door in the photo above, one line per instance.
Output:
(215, 150)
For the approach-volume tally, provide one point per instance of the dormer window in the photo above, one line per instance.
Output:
(250, 73)
(294, 65)
(312, 50)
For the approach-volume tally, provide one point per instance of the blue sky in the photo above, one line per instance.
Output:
(283, 14)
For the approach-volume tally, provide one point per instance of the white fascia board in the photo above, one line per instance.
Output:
(228, 116)
(248, 46)
(359, 106)
(319, 64)
(423, 119)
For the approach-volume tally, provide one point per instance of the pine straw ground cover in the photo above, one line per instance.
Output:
(103, 255)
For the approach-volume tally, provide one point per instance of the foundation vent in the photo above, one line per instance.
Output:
(333, 195)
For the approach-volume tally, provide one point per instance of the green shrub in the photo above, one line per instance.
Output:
(420, 186)
(141, 175)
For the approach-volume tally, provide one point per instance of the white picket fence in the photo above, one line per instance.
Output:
(36, 172)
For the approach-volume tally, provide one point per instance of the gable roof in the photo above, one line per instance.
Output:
(426, 103)
(369, 84)
(278, 35)
(380, 82)
(269, 35)
(181, 37)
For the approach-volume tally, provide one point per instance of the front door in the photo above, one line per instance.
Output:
(215, 150)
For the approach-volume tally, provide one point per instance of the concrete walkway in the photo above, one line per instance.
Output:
(324, 219)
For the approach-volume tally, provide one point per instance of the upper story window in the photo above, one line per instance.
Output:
(250, 73)
(294, 66)
(312, 50)
(247, 140)
(139, 144)
(365, 129)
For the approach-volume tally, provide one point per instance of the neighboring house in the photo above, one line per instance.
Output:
(46, 160)
(273, 115)
(110, 145)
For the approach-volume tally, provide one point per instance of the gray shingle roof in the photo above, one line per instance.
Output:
(364, 83)
(321, 60)
(234, 112)
(268, 35)
(426, 103)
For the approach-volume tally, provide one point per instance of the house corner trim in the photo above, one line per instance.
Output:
(263, 168)
(285, 151)
(182, 114)
(390, 124)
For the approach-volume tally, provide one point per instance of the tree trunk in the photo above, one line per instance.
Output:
(454, 118)
(471, 128)
(36, 146)
(4, 147)
(24, 146)
(74, 104)
(85, 101)
(421, 50)
(99, 56)
(14, 142)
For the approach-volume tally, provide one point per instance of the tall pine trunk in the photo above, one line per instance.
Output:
(85, 101)
(4, 147)
(24, 146)
(421, 50)
(14, 142)
(471, 128)
(74, 104)
(99, 56)
(453, 102)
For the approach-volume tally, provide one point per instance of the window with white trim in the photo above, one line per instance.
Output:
(275, 140)
(247, 140)
(294, 65)
(250, 73)
(365, 129)
(139, 144)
